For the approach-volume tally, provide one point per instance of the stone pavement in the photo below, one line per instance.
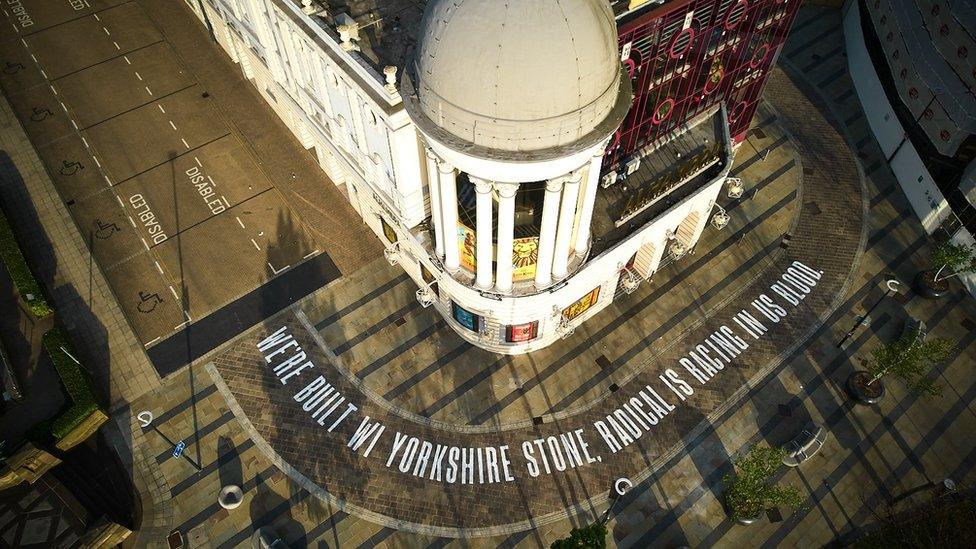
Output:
(40, 516)
(412, 361)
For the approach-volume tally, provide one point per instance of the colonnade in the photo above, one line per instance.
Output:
(565, 226)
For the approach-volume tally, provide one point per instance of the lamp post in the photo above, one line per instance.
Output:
(621, 487)
(891, 286)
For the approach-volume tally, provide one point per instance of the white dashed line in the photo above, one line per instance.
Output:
(239, 222)
(106, 31)
(22, 41)
(149, 91)
(172, 125)
(131, 221)
(144, 243)
(32, 55)
(73, 123)
(310, 254)
(276, 271)
(158, 267)
(96, 17)
(161, 109)
(95, 158)
(139, 76)
(226, 202)
(171, 289)
(117, 197)
(126, 57)
(211, 180)
(53, 90)
(185, 144)
(107, 180)
(44, 74)
(180, 325)
(256, 245)
(63, 106)
(197, 160)
(116, 45)
(85, 141)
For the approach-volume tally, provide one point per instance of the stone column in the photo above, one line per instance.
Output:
(449, 215)
(564, 229)
(547, 234)
(589, 199)
(433, 187)
(483, 239)
(506, 234)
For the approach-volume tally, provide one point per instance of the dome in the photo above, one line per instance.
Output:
(500, 77)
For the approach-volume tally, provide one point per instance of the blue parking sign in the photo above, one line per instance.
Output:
(178, 451)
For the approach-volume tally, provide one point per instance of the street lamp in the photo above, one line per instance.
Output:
(391, 253)
(891, 285)
(721, 219)
(621, 487)
(677, 250)
(735, 187)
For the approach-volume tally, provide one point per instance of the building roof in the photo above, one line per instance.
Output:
(522, 76)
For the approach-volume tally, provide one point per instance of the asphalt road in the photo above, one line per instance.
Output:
(179, 215)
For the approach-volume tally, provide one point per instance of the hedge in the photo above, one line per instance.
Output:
(20, 273)
(75, 382)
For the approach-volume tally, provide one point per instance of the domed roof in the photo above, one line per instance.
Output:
(523, 75)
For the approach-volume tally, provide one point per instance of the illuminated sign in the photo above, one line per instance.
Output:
(522, 332)
(525, 257)
(388, 231)
(466, 240)
(582, 305)
(465, 317)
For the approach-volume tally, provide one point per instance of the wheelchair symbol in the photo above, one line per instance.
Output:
(13, 68)
(70, 168)
(148, 302)
(40, 113)
(105, 230)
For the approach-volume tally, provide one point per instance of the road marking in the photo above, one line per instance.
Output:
(131, 221)
(197, 160)
(171, 289)
(139, 76)
(32, 55)
(109, 181)
(119, 198)
(85, 141)
(16, 28)
(153, 341)
(172, 125)
(95, 158)
(63, 106)
(239, 222)
(144, 243)
(276, 271)
(126, 57)
(52, 89)
(158, 267)
(226, 202)
(44, 74)
(149, 90)
(106, 31)
(256, 245)
(211, 180)
(116, 45)
(308, 255)
(96, 16)
(185, 144)
(22, 40)
(161, 109)
(180, 325)
(73, 123)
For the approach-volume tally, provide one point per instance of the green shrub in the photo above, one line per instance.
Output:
(593, 536)
(20, 273)
(75, 382)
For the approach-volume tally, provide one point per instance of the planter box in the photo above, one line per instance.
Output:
(82, 431)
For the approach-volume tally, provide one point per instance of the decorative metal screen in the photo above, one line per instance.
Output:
(687, 55)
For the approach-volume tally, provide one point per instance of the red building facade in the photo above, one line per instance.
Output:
(687, 55)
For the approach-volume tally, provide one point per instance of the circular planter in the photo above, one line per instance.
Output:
(926, 286)
(857, 386)
(746, 521)
(231, 497)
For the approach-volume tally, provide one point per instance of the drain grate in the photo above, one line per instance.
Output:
(399, 322)
(603, 362)
(537, 420)
(614, 387)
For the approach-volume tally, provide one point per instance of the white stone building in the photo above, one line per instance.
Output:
(474, 131)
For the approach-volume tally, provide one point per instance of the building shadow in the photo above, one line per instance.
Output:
(92, 471)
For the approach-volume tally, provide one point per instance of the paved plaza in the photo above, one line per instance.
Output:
(818, 192)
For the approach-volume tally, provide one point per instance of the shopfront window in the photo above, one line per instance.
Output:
(522, 332)
(466, 318)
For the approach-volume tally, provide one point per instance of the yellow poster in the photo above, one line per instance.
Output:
(525, 256)
(582, 305)
(466, 243)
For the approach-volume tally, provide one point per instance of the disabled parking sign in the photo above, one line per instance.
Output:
(178, 451)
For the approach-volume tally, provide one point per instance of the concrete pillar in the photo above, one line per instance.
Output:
(433, 187)
(449, 215)
(483, 239)
(547, 234)
(506, 234)
(589, 199)
(564, 229)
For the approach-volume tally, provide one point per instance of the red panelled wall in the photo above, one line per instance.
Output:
(687, 55)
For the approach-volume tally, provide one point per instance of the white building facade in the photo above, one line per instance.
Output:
(470, 138)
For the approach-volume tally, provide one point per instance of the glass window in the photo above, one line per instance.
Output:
(466, 318)
(522, 332)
